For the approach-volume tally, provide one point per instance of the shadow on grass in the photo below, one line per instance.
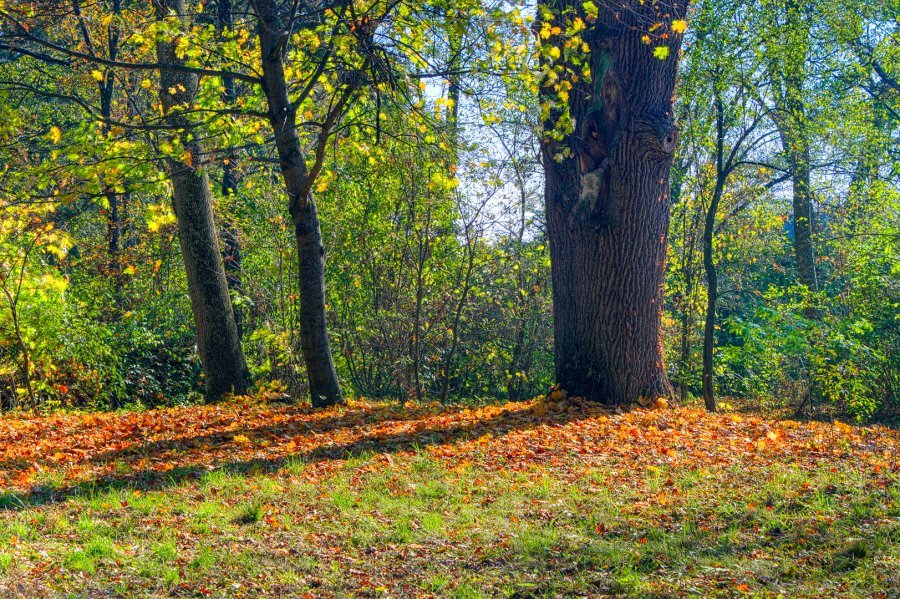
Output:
(372, 442)
(132, 444)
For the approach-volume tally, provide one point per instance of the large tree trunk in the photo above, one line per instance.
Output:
(324, 387)
(217, 338)
(607, 206)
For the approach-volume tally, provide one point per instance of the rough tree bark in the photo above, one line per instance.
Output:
(217, 339)
(607, 206)
(324, 387)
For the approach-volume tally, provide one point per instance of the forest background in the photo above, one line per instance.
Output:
(421, 127)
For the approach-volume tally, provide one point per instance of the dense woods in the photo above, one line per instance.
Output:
(461, 202)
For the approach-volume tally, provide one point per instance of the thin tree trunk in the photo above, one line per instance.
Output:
(454, 29)
(12, 300)
(687, 302)
(712, 292)
(106, 88)
(607, 207)
(230, 238)
(217, 338)
(685, 357)
(788, 69)
(803, 218)
(457, 316)
(324, 387)
(455, 34)
(23, 346)
(422, 254)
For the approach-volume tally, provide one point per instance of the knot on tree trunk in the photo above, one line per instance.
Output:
(657, 133)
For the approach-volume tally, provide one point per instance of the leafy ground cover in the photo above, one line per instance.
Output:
(541, 499)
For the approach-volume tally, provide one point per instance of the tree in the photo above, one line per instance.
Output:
(21, 236)
(324, 387)
(607, 154)
(230, 234)
(217, 336)
(351, 59)
(106, 86)
(788, 55)
(58, 36)
(732, 127)
(730, 153)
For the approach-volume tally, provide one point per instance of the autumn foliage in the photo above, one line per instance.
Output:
(155, 446)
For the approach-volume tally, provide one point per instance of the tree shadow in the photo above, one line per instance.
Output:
(297, 421)
(369, 441)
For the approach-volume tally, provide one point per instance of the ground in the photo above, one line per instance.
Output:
(541, 499)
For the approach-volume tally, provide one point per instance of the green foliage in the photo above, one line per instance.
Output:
(437, 266)
(832, 350)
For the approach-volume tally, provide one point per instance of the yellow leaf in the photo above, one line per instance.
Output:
(242, 439)
(187, 158)
(130, 270)
(661, 52)
(679, 26)
(97, 75)
(554, 52)
(55, 134)
(645, 39)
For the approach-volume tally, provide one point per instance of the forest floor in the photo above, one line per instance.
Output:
(541, 499)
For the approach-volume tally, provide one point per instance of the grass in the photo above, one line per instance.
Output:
(418, 522)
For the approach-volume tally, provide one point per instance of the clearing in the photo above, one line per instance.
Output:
(540, 499)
